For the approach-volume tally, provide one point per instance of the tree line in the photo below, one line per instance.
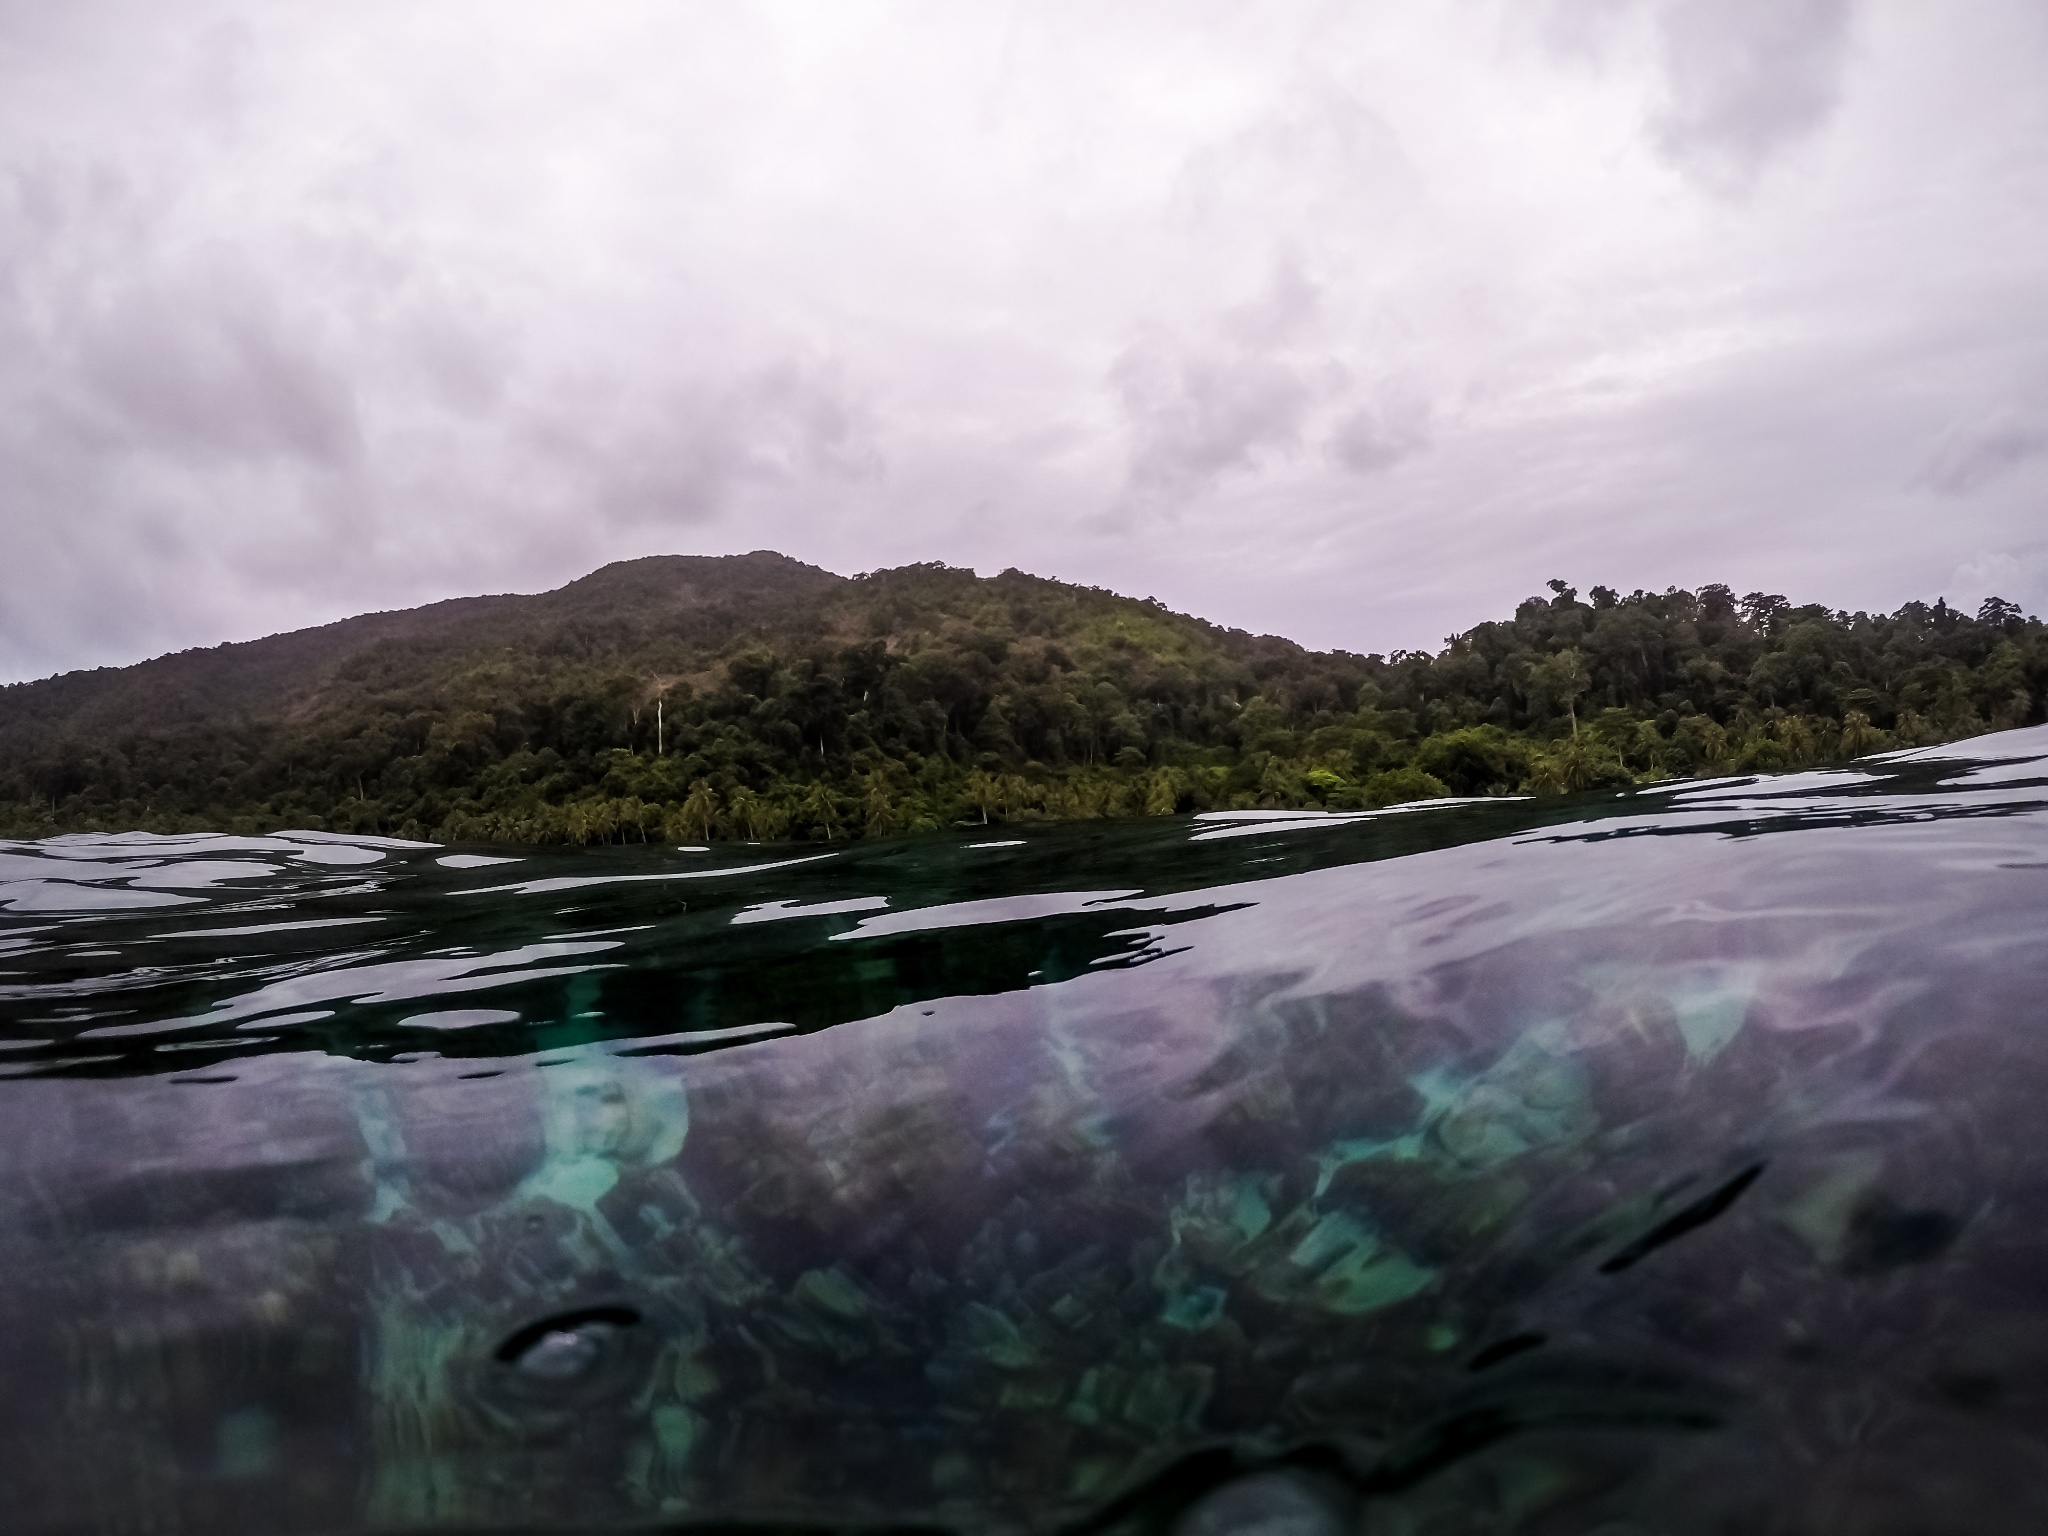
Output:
(755, 698)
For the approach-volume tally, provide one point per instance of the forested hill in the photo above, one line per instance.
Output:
(756, 697)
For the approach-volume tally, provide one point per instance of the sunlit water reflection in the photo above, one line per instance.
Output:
(1670, 1162)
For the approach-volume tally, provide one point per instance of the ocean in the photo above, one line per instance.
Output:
(1666, 1161)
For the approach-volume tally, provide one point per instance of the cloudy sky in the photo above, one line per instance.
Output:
(1350, 322)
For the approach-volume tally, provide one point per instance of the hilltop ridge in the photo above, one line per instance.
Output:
(756, 696)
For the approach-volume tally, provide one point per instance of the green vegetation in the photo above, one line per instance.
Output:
(755, 697)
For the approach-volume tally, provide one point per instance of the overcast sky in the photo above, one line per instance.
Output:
(1348, 322)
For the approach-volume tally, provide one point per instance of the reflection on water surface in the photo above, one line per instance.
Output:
(1670, 1162)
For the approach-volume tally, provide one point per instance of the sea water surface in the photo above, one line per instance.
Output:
(1674, 1161)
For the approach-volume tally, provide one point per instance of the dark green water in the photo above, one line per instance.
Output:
(1675, 1162)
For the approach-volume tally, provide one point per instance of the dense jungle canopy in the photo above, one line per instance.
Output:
(755, 697)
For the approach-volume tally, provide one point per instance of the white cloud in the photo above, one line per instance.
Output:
(2015, 579)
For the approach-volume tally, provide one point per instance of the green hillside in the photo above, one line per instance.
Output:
(755, 697)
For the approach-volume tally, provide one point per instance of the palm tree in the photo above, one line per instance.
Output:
(1858, 735)
(1279, 785)
(743, 811)
(1797, 738)
(822, 807)
(1163, 790)
(878, 807)
(699, 813)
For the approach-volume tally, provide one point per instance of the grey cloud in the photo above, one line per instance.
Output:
(1382, 433)
(219, 80)
(1748, 79)
(1319, 163)
(1195, 414)
(680, 453)
(807, 418)
(194, 354)
(306, 310)
(678, 468)
(1969, 459)
(1255, 392)
(87, 586)
(1580, 29)
(208, 364)
(465, 360)
(1292, 303)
